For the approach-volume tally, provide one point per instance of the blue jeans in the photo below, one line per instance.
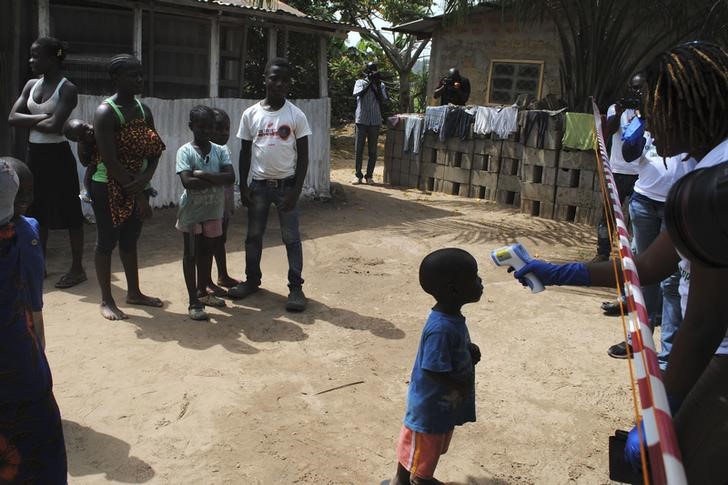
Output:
(263, 195)
(648, 220)
(370, 133)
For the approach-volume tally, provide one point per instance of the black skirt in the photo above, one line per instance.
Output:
(55, 186)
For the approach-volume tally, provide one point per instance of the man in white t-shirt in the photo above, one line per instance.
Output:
(274, 155)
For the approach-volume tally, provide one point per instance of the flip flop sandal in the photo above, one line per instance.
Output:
(68, 280)
(197, 313)
(212, 300)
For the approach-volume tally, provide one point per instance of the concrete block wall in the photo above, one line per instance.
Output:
(547, 182)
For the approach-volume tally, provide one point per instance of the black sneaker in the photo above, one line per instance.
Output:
(242, 290)
(612, 308)
(619, 351)
(297, 301)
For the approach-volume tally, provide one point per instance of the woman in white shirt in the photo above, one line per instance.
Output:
(43, 107)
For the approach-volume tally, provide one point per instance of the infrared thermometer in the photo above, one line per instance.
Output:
(516, 256)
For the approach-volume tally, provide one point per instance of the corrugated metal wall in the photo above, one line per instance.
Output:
(171, 117)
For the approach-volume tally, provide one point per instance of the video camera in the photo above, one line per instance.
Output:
(631, 102)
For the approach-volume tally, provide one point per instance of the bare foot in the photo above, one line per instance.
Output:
(144, 300)
(111, 312)
(227, 281)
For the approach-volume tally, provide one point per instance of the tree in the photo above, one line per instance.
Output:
(401, 50)
(600, 51)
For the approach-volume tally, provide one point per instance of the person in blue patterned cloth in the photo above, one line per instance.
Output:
(32, 448)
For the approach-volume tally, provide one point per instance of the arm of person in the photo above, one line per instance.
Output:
(225, 176)
(458, 382)
(360, 87)
(140, 181)
(246, 153)
(68, 99)
(104, 131)
(701, 331)
(301, 169)
(655, 264)
(440, 88)
(614, 116)
(191, 181)
(19, 116)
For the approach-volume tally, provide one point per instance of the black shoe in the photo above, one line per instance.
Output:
(242, 290)
(619, 351)
(612, 308)
(297, 301)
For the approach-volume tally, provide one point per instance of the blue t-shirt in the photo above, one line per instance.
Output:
(433, 407)
(196, 206)
(24, 371)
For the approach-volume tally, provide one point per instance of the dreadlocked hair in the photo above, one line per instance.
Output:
(687, 97)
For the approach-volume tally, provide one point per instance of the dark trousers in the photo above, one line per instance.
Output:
(625, 189)
(370, 133)
(263, 195)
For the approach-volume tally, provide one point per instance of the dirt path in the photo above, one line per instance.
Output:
(162, 399)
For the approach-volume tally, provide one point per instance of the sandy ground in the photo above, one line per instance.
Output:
(162, 399)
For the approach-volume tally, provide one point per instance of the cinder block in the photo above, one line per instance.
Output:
(485, 179)
(432, 140)
(509, 166)
(575, 197)
(394, 178)
(457, 175)
(538, 174)
(537, 156)
(578, 159)
(537, 208)
(464, 190)
(511, 149)
(428, 155)
(508, 197)
(509, 183)
(442, 157)
(412, 180)
(575, 178)
(430, 169)
(398, 149)
(540, 192)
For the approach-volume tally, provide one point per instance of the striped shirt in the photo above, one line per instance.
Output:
(368, 111)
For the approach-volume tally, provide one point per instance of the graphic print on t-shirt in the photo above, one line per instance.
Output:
(283, 131)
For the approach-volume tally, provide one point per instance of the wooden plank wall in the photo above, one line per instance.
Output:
(172, 115)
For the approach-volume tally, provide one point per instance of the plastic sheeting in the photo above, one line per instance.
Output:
(171, 117)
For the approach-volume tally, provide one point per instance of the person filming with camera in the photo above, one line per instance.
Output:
(453, 88)
(370, 93)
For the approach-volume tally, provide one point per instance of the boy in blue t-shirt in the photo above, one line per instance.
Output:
(204, 168)
(442, 387)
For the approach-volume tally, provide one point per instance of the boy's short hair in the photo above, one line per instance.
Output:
(221, 116)
(441, 268)
(201, 112)
(70, 126)
(279, 62)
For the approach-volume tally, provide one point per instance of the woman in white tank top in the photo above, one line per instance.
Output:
(43, 107)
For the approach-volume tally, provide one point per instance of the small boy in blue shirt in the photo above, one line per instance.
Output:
(204, 168)
(442, 387)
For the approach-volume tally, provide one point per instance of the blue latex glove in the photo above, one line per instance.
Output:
(635, 130)
(632, 448)
(572, 274)
(632, 453)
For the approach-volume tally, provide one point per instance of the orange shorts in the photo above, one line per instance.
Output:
(420, 452)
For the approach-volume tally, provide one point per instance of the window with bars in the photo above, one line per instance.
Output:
(508, 79)
(105, 32)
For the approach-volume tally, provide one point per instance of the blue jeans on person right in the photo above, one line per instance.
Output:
(263, 195)
(370, 134)
(648, 220)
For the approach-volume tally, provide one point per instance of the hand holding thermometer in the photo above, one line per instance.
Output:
(516, 256)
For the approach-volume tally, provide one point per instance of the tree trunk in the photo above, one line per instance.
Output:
(405, 102)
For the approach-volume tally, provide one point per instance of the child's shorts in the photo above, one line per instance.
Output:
(210, 229)
(420, 452)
